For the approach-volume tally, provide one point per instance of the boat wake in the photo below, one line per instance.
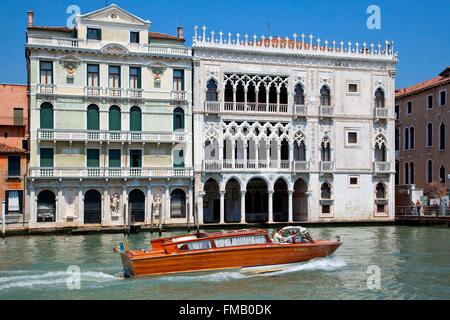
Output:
(51, 280)
(324, 264)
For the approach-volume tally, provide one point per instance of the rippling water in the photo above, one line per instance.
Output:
(414, 264)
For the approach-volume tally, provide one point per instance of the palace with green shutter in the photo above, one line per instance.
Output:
(111, 122)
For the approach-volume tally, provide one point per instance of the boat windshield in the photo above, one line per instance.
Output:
(240, 241)
(197, 245)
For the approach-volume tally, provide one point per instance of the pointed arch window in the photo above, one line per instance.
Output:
(325, 191)
(442, 175)
(442, 136)
(429, 171)
(325, 96)
(325, 151)
(406, 138)
(380, 191)
(411, 173)
(299, 94)
(397, 139)
(429, 135)
(406, 172)
(211, 91)
(379, 98)
(412, 138)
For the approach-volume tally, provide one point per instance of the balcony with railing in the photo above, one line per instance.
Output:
(93, 91)
(111, 136)
(300, 110)
(46, 88)
(135, 93)
(381, 113)
(326, 167)
(381, 167)
(326, 111)
(110, 172)
(114, 92)
(178, 95)
(246, 107)
(251, 165)
(72, 43)
(301, 166)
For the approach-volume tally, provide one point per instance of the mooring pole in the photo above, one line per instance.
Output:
(188, 215)
(151, 218)
(160, 220)
(3, 219)
(125, 219)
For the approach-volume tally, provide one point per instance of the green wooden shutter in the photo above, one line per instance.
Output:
(46, 157)
(135, 119)
(114, 119)
(178, 119)
(114, 158)
(93, 118)
(139, 79)
(93, 158)
(46, 116)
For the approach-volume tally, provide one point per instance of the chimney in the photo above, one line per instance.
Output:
(180, 32)
(30, 18)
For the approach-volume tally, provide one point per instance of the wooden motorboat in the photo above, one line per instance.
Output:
(221, 250)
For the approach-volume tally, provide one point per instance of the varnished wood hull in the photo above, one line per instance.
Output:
(226, 258)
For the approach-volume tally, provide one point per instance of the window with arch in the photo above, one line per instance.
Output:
(442, 174)
(93, 117)
(325, 151)
(325, 96)
(46, 116)
(135, 119)
(381, 191)
(429, 171)
(178, 204)
(380, 149)
(406, 139)
(115, 123)
(406, 173)
(299, 94)
(379, 98)
(412, 138)
(442, 136)
(300, 151)
(229, 96)
(211, 91)
(397, 139)
(325, 191)
(178, 119)
(429, 135)
(411, 173)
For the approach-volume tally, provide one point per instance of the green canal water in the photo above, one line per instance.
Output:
(414, 263)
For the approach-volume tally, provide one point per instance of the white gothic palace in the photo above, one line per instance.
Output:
(292, 129)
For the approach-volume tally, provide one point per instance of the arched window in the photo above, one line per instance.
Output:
(397, 139)
(379, 98)
(178, 119)
(325, 151)
(412, 138)
(115, 123)
(240, 92)
(93, 117)
(380, 191)
(46, 115)
(442, 176)
(273, 94)
(228, 91)
(299, 94)
(429, 171)
(211, 92)
(442, 137)
(325, 191)
(325, 96)
(411, 173)
(135, 119)
(178, 204)
(300, 151)
(406, 139)
(283, 94)
(406, 173)
(429, 135)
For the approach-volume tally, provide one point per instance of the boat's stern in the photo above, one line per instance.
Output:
(127, 263)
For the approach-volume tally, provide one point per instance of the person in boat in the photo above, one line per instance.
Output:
(278, 237)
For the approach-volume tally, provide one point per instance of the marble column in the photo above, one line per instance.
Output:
(270, 194)
(59, 208)
(148, 205)
(124, 213)
(190, 205)
(32, 204)
(200, 209)
(222, 207)
(106, 214)
(80, 207)
(290, 206)
(243, 193)
(166, 204)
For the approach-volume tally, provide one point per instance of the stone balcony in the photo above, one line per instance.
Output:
(216, 107)
(104, 173)
(110, 136)
(253, 165)
(300, 110)
(326, 111)
(46, 89)
(75, 44)
(381, 113)
(381, 167)
(327, 167)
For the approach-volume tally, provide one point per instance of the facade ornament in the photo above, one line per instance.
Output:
(115, 204)
(70, 66)
(157, 205)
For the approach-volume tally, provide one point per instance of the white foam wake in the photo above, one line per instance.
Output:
(52, 279)
(324, 264)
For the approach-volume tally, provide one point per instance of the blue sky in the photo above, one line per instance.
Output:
(419, 28)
